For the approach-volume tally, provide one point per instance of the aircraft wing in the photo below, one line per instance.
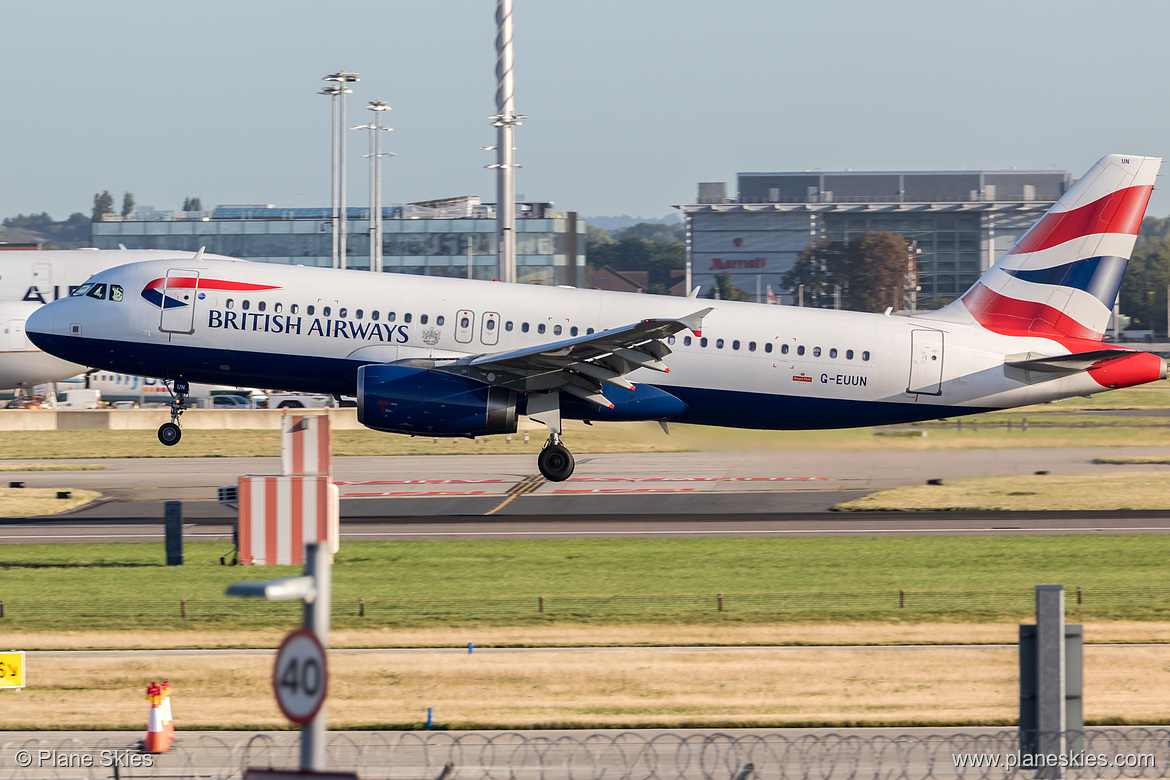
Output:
(581, 365)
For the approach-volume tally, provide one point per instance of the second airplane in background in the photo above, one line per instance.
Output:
(447, 357)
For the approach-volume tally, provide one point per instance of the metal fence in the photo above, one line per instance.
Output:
(629, 755)
(354, 611)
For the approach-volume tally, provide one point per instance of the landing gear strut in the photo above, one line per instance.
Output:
(555, 461)
(170, 433)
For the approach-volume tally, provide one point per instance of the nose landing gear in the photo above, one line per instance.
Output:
(170, 433)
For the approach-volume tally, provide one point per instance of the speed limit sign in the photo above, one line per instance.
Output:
(300, 677)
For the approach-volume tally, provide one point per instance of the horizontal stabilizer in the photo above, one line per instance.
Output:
(1062, 364)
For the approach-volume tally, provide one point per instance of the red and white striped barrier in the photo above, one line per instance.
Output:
(306, 444)
(279, 515)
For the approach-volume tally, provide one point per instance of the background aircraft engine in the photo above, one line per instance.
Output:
(404, 399)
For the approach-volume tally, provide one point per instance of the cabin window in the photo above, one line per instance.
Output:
(358, 314)
(800, 350)
(670, 339)
(783, 349)
(116, 293)
(524, 327)
(81, 290)
(390, 316)
(245, 305)
(229, 304)
(440, 319)
(464, 322)
(767, 346)
(816, 351)
(540, 328)
(374, 315)
(491, 324)
(735, 344)
(865, 355)
(277, 308)
(833, 352)
(718, 343)
(751, 346)
(310, 309)
(848, 354)
(406, 317)
(703, 342)
(293, 308)
(556, 330)
(508, 326)
(422, 319)
(589, 331)
(342, 311)
(97, 291)
(260, 306)
(324, 309)
(573, 331)
(686, 341)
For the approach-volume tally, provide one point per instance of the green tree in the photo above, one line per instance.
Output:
(192, 204)
(875, 267)
(820, 267)
(635, 253)
(724, 290)
(103, 203)
(127, 204)
(1144, 286)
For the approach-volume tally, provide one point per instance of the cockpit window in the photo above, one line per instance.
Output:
(82, 290)
(116, 293)
(97, 291)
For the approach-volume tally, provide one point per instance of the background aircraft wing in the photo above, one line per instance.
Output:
(581, 365)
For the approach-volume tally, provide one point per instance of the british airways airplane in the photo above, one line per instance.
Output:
(449, 357)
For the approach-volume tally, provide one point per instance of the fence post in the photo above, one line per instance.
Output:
(1078, 599)
(183, 608)
(901, 599)
(361, 607)
(1, 609)
(540, 603)
(719, 598)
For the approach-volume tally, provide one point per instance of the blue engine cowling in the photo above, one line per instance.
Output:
(405, 399)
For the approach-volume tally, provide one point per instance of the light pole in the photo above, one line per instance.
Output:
(341, 79)
(333, 92)
(376, 154)
(505, 121)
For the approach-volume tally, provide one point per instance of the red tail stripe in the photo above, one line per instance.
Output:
(1012, 317)
(1117, 212)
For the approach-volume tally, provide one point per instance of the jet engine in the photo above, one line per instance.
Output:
(425, 402)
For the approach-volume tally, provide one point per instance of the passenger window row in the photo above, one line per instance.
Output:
(784, 348)
(327, 311)
(557, 330)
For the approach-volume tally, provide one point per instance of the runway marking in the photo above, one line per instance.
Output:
(524, 486)
(625, 490)
(418, 493)
(419, 482)
(578, 479)
(774, 531)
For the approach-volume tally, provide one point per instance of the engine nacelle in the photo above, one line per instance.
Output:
(421, 401)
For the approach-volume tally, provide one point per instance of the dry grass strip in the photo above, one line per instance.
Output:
(33, 502)
(812, 633)
(654, 687)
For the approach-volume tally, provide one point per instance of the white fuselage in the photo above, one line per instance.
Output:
(753, 366)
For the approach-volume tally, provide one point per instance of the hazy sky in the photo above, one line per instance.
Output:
(631, 102)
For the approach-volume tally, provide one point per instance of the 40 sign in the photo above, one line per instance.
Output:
(300, 677)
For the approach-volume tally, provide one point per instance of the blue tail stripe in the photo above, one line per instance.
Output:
(1098, 276)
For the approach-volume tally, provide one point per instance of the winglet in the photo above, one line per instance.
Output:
(695, 321)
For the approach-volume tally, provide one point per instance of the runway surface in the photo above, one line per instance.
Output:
(750, 493)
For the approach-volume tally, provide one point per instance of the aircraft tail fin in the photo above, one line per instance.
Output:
(1061, 278)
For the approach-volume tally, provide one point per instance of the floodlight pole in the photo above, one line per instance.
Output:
(333, 92)
(505, 122)
(376, 154)
(342, 78)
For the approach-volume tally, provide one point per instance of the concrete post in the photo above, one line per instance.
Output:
(1050, 670)
(174, 533)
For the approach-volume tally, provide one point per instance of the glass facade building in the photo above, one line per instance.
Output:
(960, 222)
(453, 241)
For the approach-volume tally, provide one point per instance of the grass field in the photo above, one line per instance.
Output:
(619, 688)
(422, 583)
(1116, 491)
(26, 502)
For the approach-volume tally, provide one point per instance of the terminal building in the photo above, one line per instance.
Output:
(960, 222)
(454, 237)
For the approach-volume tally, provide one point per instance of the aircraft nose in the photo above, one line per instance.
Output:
(40, 323)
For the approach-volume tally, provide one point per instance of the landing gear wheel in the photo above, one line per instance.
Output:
(555, 463)
(169, 434)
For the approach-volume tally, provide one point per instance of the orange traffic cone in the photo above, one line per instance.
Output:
(156, 739)
(167, 717)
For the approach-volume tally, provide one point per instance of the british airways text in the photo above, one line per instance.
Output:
(325, 328)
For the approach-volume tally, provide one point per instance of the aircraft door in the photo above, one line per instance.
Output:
(17, 340)
(489, 329)
(42, 279)
(464, 326)
(926, 362)
(179, 293)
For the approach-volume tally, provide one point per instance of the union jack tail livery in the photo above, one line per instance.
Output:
(1061, 278)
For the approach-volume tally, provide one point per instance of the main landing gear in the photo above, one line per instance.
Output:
(170, 433)
(555, 461)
